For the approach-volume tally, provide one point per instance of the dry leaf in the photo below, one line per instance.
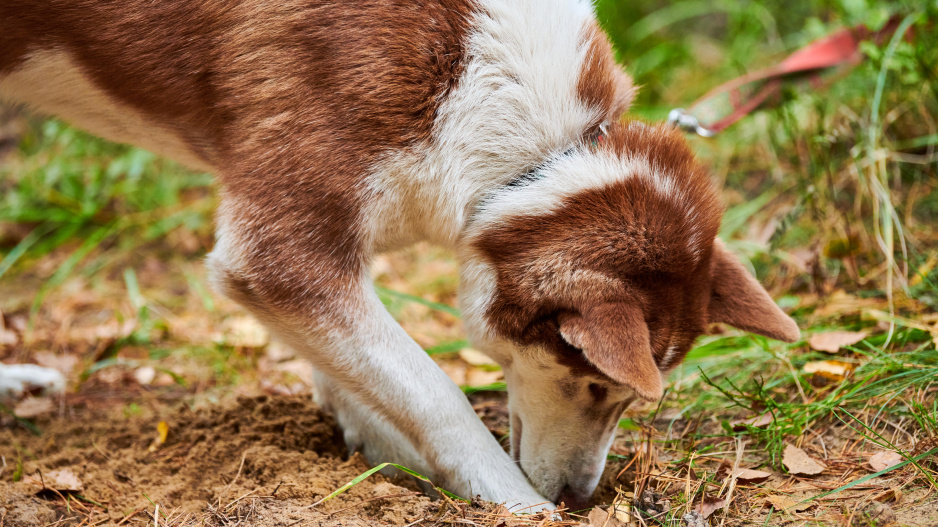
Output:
(279, 352)
(62, 480)
(758, 422)
(600, 518)
(162, 430)
(455, 370)
(751, 476)
(475, 357)
(832, 341)
(829, 369)
(783, 503)
(145, 374)
(798, 462)
(477, 377)
(883, 460)
(301, 368)
(709, 505)
(7, 337)
(34, 407)
(65, 362)
(245, 332)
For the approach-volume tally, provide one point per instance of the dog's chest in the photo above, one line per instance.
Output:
(52, 83)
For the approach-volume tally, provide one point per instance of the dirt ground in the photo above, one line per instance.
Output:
(254, 460)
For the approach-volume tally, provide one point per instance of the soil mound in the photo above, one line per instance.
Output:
(258, 460)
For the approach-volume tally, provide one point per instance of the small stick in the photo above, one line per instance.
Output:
(220, 496)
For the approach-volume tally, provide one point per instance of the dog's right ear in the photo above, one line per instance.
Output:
(737, 299)
(614, 338)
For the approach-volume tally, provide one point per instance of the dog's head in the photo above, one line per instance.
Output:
(588, 281)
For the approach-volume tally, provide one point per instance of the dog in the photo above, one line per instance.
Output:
(587, 244)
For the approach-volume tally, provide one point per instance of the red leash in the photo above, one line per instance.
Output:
(730, 102)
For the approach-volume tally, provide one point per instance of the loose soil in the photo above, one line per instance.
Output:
(262, 460)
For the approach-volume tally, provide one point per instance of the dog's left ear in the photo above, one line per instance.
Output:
(614, 338)
(737, 299)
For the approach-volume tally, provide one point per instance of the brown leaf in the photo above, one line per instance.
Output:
(832, 341)
(600, 518)
(798, 462)
(475, 357)
(34, 407)
(61, 480)
(64, 362)
(710, 505)
(751, 476)
(883, 460)
(478, 377)
(829, 369)
(783, 503)
(758, 422)
(245, 332)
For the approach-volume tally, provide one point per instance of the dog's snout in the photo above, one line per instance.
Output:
(572, 499)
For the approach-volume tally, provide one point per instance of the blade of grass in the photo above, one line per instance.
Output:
(364, 475)
(436, 306)
(447, 347)
(20, 249)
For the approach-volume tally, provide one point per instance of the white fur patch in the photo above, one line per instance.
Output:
(50, 82)
(515, 105)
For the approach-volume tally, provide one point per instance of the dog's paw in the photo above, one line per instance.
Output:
(17, 380)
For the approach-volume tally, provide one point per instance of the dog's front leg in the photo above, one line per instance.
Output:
(379, 379)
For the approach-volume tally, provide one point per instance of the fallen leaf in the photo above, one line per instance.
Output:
(829, 369)
(475, 357)
(694, 519)
(62, 480)
(709, 505)
(245, 332)
(301, 368)
(883, 460)
(64, 362)
(832, 341)
(162, 430)
(7, 337)
(798, 462)
(145, 374)
(751, 476)
(34, 407)
(600, 518)
(783, 503)
(279, 352)
(758, 422)
(477, 377)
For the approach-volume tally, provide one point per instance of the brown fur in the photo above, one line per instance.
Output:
(602, 83)
(293, 101)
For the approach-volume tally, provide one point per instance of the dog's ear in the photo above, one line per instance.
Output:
(614, 338)
(737, 299)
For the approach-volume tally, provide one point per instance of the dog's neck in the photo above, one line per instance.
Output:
(522, 100)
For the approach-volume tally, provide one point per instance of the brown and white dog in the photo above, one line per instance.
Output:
(339, 130)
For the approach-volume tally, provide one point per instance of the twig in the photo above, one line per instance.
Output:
(220, 496)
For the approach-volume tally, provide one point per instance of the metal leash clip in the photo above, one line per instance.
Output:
(687, 122)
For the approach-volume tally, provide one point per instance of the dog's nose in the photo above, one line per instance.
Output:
(572, 500)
